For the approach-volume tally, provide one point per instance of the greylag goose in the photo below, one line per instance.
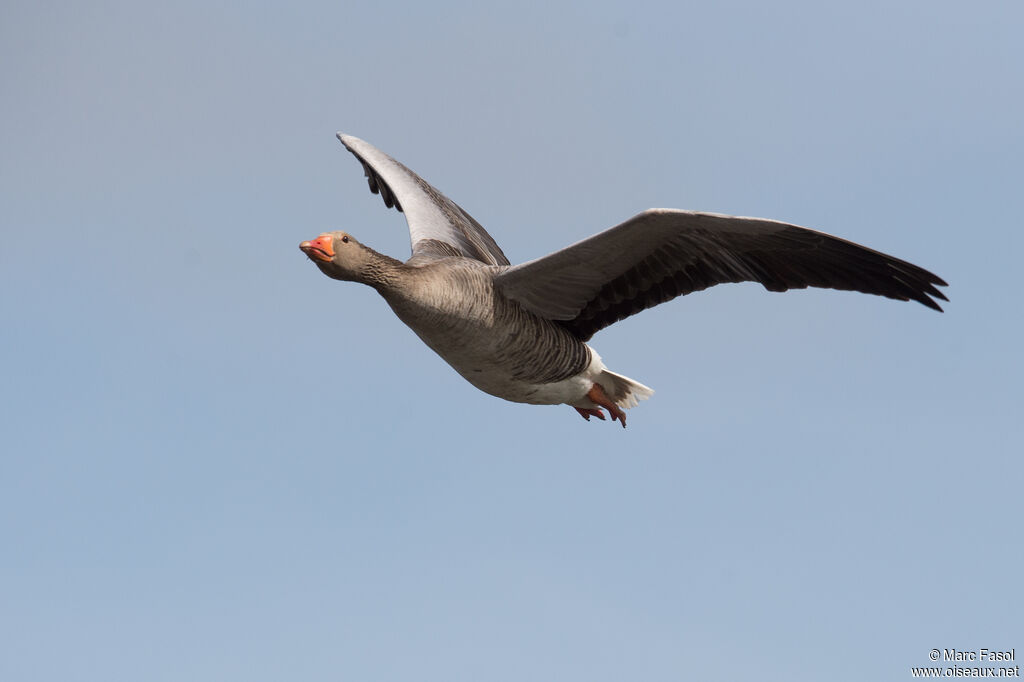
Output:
(520, 332)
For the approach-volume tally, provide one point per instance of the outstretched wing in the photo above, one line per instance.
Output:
(663, 253)
(438, 227)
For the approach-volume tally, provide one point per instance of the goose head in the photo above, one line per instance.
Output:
(340, 256)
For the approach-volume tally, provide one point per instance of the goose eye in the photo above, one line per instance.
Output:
(345, 239)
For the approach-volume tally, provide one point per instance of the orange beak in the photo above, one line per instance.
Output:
(321, 248)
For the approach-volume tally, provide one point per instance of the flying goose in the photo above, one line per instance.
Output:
(519, 332)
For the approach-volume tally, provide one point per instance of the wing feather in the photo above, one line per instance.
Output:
(663, 253)
(438, 227)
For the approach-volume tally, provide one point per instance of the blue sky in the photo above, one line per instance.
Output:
(219, 464)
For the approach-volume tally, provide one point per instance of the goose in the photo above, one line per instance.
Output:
(520, 332)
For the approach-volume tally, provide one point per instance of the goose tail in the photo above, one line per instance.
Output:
(625, 392)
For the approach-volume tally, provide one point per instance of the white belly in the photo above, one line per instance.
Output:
(571, 391)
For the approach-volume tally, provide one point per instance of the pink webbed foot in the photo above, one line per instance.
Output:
(588, 412)
(599, 397)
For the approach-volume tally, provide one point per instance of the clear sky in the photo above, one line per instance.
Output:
(218, 464)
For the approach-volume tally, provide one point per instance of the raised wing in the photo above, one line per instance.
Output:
(663, 253)
(438, 227)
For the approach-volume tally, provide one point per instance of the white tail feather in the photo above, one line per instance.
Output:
(622, 390)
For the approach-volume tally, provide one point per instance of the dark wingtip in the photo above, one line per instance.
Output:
(923, 284)
(935, 281)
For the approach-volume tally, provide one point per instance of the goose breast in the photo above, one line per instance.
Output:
(493, 342)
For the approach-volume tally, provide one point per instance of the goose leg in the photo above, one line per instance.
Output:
(588, 412)
(599, 397)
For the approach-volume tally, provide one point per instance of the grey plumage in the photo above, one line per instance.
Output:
(432, 216)
(519, 332)
(663, 253)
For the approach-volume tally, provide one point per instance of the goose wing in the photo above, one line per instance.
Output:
(663, 253)
(438, 227)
